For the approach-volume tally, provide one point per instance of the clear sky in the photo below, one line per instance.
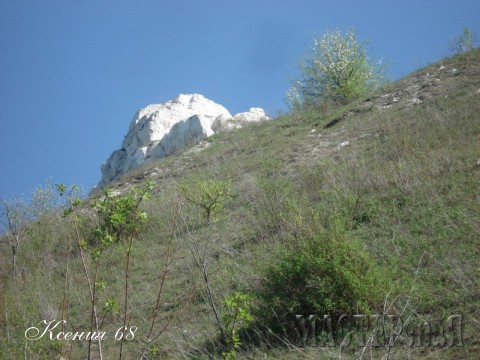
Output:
(74, 72)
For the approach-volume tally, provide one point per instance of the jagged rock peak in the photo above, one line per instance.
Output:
(159, 130)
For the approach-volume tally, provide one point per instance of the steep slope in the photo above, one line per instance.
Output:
(394, 177)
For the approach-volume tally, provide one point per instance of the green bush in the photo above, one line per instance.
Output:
(207, 194)
(237, 315)
(327, 274)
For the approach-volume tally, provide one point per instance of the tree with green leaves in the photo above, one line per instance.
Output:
(465, 42)
(118, 219)
(337, 69)
(209, 195)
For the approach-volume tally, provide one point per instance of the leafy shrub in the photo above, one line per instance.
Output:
(208, 195)
(237, 315)
(327, 274)
(119, 217)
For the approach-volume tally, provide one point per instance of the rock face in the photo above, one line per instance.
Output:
(160, 130)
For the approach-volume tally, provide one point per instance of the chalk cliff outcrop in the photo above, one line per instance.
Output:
(162, 129)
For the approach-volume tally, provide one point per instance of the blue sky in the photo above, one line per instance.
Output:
(74, 72)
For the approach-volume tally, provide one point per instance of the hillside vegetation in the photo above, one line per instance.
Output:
(370, 208)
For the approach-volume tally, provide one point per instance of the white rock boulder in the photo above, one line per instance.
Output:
(162, 129)
(223, 123)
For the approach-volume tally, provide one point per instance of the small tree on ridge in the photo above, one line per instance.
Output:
(337, 70)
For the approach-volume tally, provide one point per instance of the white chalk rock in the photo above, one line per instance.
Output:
(223, 123)
(162, 129)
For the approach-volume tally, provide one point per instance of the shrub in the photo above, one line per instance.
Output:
(208, 195)
(237, 315)
(336, 70)
(327, 274)
(463, 43)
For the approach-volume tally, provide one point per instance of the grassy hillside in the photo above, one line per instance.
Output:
(372, 208)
